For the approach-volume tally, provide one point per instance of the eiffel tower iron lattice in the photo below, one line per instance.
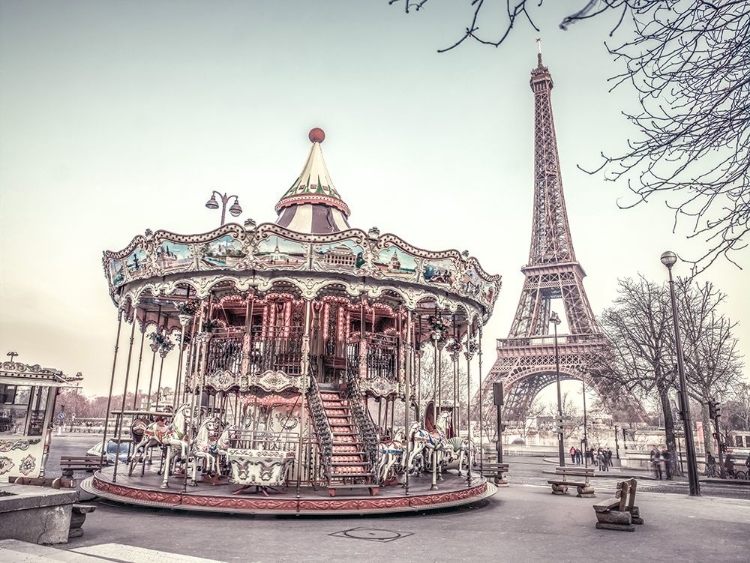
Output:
(526, 359)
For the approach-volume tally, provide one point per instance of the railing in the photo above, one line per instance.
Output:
(382, 357)
(271, 441)
(365, 425)
(321, 425)
(548, 340)
(225, 353)
(282, 352)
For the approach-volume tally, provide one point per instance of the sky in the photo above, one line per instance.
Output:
(116, 117)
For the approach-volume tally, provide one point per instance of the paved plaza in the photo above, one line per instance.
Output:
(520, 523)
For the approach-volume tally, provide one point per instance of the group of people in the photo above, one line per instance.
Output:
(662, 463)
(600, 457)
(729, 468)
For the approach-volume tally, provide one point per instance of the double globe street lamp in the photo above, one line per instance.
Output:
(235, 210)
(669, 259)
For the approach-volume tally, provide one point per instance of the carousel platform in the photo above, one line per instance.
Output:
(145, 491)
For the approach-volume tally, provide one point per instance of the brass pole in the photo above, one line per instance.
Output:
(111, 385)
(154, 348)
(118, 424)
(140, 359)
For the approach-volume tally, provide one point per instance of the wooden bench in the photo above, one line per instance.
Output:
(77, 518)
(620, 512)
(495, 470)
(567, 478)
(57, 483)
(71, 463)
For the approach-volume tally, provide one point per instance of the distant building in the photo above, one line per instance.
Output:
(340, 255)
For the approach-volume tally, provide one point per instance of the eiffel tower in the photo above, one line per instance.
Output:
(526, 359)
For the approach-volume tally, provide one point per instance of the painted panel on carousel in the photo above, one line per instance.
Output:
(393, 262)
(224, 252)
(488, 292)
(136, 262)
(471, 283)
(344, 255)
(439, 272)
(116, 272)
(279, 252)
(173, 256)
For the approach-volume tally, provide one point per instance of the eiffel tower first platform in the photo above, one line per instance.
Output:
(526, 359)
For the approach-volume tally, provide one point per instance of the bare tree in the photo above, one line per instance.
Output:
(641, 359)
(712, 364)
(736, 410)
(688, 63)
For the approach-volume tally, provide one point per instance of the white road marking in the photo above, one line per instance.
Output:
(131, 554)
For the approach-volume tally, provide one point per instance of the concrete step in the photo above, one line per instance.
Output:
(15, 551)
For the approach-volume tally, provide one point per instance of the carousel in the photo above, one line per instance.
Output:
(299, 380)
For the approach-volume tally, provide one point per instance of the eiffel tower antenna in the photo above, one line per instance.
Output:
(526, 359)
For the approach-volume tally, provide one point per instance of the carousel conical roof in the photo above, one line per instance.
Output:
(312, 204)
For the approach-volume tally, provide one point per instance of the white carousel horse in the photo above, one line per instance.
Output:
(457, 449)
(425, 444)
(170, 436)
(391, 454)
(224, 442)
(204, 447)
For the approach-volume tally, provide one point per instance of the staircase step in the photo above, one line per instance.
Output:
(350, 486)
(334, 443)
(345, 433)
(348, 475)
(347, 464)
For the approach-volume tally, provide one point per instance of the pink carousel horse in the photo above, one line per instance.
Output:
(170, 436)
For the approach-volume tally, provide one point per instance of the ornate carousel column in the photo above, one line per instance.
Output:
(481, 419)
(470, 348)
(454, 349)
(184, 320)
(409, 365)
(304, 386)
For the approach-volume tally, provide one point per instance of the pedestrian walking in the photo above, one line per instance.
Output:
(572, 454)
(608, 456)
(656, 462)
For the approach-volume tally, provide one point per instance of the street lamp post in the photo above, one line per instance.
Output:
(617, 444)
(234, 210)
(555, 320)
(668, 259)
(585, 426)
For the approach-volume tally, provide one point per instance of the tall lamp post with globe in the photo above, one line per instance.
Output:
(234, 210)
(669, 259)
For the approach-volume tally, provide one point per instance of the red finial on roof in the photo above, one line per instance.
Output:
(317, 135)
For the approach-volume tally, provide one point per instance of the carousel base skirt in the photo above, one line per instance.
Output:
(145, 491)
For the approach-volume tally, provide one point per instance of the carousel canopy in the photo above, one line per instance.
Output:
(312, 204)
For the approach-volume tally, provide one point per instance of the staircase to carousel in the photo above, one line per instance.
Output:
(346, 460)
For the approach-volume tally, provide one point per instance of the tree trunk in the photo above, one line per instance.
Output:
(707, 439)
(666, 408)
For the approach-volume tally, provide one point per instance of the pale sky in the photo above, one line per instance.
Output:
(121, 116)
